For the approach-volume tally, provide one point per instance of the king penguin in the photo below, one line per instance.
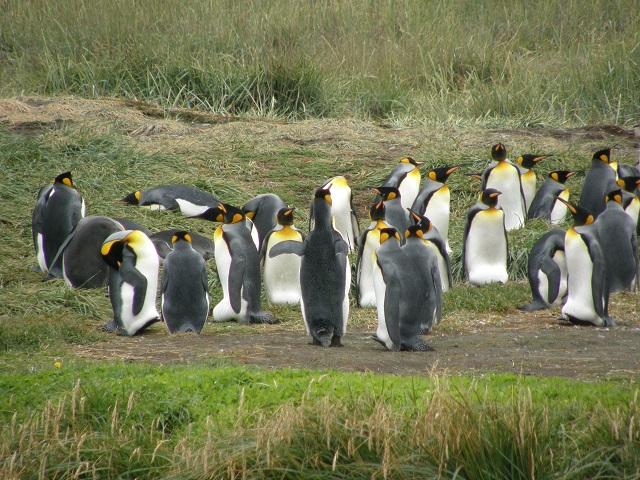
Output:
(434, 200)
(325, 275)
(345, 220)
(630, 201)
(163, 241)
(184, 289)
(547, 271)
(588, 298)
(395, 214)
(484, 244)
(59, 207)
(238, 265)
(263, 210)
(504, 176)
(435, 242)
(525, 164)
(282, 273)
(616, 233)
(545, 204)
(599, 180)
(133, 281)
(369, 242)
(189, 201)
(401, 296)
(406, 178)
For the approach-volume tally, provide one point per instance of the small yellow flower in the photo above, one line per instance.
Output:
(57, 364)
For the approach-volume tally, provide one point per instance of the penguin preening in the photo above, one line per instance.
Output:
(133, 281)
(599, 180)
(434, 199)
(262, 210)
(588, 298)
(345, 220)
(59, 207)
(184, 289)
(484, 245)
(504, 176)
(189, 201)
(369, 242)
(547, 271)
(406, 178)
(545, 204)
(325, 275)
(282, 273)
(525, 164)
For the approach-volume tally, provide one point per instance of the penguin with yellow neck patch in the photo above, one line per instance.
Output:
(599, 180)
(484, 244)
(588, 299)
(546, 204)
(406, 178)
(345, 219)
(369, 242)
(525, 164)
(133, 281)
(396, 215)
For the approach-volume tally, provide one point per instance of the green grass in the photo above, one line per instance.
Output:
(520, 62)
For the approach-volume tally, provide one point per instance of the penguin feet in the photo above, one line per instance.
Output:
(335, 341)
(608, 322)
(111, 326)
(533, 306)
(263, 317)
(425, 331)
(417, 346)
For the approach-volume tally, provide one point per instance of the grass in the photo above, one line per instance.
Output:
(463, 62)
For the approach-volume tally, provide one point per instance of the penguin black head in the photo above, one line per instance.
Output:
(285, 216)
(581, 216)
(231, 214)
(323, 193)
(411, 161)
(132, 199)
(420, 220)
(387, 233)
(629, 184)
(441, 174)
(529, 160)
(603, 155)
(213, 214)
(489, 196)
(414, 231)
(387, 193)
(377, 211)
(499, 152)
(181, 235)
(561, 176)
(614, 196)
(114, 245)
(64, 179)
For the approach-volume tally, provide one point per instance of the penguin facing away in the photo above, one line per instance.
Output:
(184, 289)
(133, 281)
(262, 210)
(163, 240)
(435, 242)
(189, 201)
(238, 265)
(599, 180)
(545, 204)
(369, 242)
(395, 214)
(325, 275)
(525, 164)
(401, 296)
(342, 209)
(406, 178)
(282, 273)
(588, 298)
(434, 199)
(484, 245)
(58, 209)
(547, 271)
(504, 176)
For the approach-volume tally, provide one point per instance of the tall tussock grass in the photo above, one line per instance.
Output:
(524, 61)
(445, 432)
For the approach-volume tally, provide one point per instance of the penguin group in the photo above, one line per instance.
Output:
(402, 258)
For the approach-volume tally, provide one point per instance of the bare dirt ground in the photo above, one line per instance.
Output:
(532, 343)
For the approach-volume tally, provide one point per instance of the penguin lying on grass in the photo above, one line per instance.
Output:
(189, 201)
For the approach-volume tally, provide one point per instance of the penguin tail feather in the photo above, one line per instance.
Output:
(324, 336)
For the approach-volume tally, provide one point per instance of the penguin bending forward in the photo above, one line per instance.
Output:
(133, 281)
(325, 275)
(545, 204)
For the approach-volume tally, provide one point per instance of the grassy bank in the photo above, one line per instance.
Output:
(521, 62)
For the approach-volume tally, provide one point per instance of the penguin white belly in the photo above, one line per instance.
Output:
(153, 207)
(580, 270)
(506, 179)
(543, 286)
(561, 260)
(382, 332)
(366, 288)
(282, 279)
(40, 253)
(223, 312)
(486, 249)
(341, 212)
(438, 211)
(442, 267)
(633, 210)
(559, 210)
(528, 188)
(409, 188)
(189, 209)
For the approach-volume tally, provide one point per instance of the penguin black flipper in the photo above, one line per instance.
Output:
(392, 309)
(236, 279)
(136, 279)
(288, 246)
(37, 218)
(355, 225)
(57, 260)
(552, 271)
(599, 289)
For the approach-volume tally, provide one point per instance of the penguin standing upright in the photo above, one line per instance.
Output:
(599, 180)
(184, 289)
(504, 176)
(435, 242)
(588, 298)
(262, 210)
(547, 271)
(616, 232)
(484, 245)
(406, 178)
(238, 265)
(282, 273)
(545, 204)
(630, 201)
(395, 214)
(344, 214)
(401, 296)
(325, 275)
(189, 201)
(525, 164)
(133, 281)
(434, 200)
(369, 242)
(58, 209)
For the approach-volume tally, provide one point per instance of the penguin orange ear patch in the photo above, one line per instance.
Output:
(432, 176)
(187, 237)
(236, 218)
(137, 195)
(604, 158)
(174, 239)
(554, 175)
(67, 182)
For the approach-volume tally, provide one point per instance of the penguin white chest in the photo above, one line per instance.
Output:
(189, 209)
(282, 273)
(438, 210)
(409, 188)
(486, 249)
(341, 212)
(579, 303)
(506, 178)
(559, 210)
(380, 290)
(366, 289)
